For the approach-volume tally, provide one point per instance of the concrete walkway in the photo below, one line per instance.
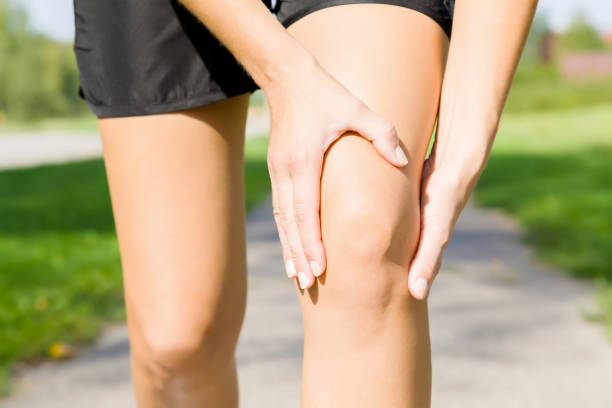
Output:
(23, 149)
(506, 332)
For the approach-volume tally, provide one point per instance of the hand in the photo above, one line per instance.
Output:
(442, 200)
(307, 115)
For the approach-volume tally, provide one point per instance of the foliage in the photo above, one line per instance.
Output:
(552, 171)
(38, 76)
(60, 271)
(539, 28)
(537, 87)
(581, 36)
(537, 84)
(84, 123)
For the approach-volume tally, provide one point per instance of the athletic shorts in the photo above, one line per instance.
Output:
(153, 56)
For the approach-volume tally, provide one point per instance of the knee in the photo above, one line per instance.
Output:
(365, 232)
(180, 346)
(369, 242)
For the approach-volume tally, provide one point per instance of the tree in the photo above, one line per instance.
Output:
(581, 35)
(38, 75)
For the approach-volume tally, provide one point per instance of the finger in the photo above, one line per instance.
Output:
(289, 266)
(382, 134)
(426, 262)
(306, 205)
(287, 220)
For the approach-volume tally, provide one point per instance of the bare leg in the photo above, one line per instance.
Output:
(177, 189)
(366, 338)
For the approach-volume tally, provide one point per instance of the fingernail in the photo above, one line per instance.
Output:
(401, 156)
(316, 269)
(303, 280)
(290, 269)
(420, 288)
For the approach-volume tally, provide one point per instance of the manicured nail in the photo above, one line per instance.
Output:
(420, 288)
(316, 269)
(302, 279)
(401, 156)
(290, 269)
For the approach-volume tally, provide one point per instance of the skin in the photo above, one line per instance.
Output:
(366, 334)
(487, 40)
(183, 253)
(366, 337)
(309, 110)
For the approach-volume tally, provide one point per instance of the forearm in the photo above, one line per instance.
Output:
(487, 40)
(255, 37)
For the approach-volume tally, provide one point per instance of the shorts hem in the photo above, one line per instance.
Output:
(117, 111)
(446, 27)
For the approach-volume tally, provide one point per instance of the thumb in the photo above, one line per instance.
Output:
(426, 262)
(383, 136)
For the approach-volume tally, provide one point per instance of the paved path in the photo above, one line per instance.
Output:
(23, 149)
(506, 333)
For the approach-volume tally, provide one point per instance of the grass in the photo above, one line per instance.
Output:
(540, 87)
(551, 95)
(60, 278)
(60, 275)
(553, 172)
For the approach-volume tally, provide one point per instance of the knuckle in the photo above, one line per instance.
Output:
(336, 128)
(388, 130)
(283, 219)
(358, 109)
(303, 215)
(297, 159)
(442, 236)
(309, 248)
(445, 237)
(294, 160)
(275, 160)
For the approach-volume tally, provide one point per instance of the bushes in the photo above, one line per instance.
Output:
(534, 91)
(38, 76)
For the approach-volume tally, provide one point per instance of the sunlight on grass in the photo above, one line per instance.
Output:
(59, 257)
(553, 172)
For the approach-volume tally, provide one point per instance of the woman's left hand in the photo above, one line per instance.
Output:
(442, 198)
(488, 38)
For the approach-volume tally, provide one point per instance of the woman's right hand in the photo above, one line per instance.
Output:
(308, 114)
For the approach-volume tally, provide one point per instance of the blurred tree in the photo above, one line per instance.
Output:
(38, 76)
(581, 35)
(540, 30)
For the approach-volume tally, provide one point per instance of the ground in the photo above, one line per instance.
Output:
(506, 332)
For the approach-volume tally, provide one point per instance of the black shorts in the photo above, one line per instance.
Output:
(153, 56)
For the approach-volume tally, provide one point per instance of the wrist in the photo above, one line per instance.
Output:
(290, 68)
(463, 146)
(459, 162)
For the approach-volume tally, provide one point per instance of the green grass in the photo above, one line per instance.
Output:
(553, 172)
(539, 87)
(60, 278)
(551, 95)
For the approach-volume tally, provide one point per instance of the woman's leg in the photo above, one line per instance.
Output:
(176, 183)
(366, 339)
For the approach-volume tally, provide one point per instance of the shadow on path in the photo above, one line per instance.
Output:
(506, 332)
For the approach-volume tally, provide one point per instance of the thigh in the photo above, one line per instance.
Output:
(392, 58)
(177, 189)
(389, 56)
